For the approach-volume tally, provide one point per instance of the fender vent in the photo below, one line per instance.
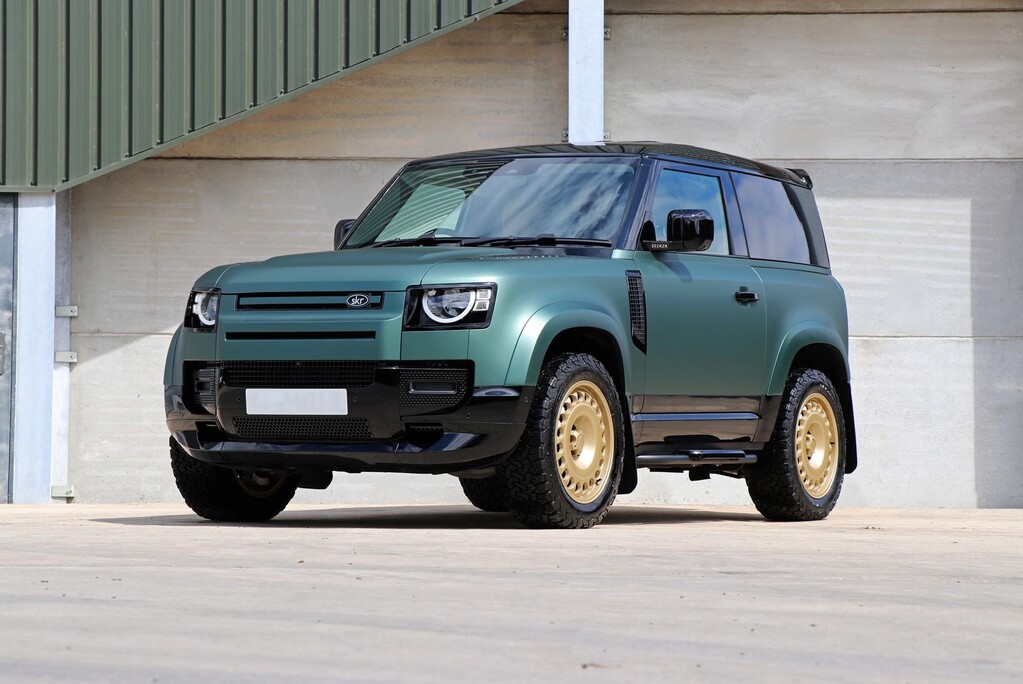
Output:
(637, 308)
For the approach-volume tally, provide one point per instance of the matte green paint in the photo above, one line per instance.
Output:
(701, 342)
(804, 308)
(707, 343)
(90, 86)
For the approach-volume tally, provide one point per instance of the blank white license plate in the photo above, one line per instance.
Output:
(296, 402)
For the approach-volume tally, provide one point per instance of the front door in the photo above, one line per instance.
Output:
(705, 346)
(7, 208)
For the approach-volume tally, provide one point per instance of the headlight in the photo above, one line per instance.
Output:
(449, 306)
(203, 307)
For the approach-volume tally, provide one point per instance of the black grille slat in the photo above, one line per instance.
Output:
(299, 374)
(458, 376)
(206, 388)
(313, 428)
(637, 308)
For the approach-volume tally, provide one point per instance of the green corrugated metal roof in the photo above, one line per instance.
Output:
(92, 85)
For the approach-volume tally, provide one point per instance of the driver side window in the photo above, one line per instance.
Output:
(681, 190)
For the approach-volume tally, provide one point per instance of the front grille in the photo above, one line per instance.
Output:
(637, 308)
(299, 374)
(432, 387)
(315, 429)
(309, 301)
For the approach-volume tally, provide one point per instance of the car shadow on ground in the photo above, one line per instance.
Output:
(439, 517)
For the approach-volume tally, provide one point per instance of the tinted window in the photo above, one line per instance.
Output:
(681, 190)
(807, 207)
(774, 219)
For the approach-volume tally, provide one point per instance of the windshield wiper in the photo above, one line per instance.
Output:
(545, 240)
(421, 241)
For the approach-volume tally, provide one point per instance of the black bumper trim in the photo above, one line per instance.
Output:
(478, 433)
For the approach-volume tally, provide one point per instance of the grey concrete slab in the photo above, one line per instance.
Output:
(938, 85)
(445, 593)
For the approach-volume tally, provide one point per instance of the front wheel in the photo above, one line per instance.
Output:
(487, 494)
(799, 475)
(565, 471)
(227, 495)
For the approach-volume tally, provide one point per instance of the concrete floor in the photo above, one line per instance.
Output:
(444, 593)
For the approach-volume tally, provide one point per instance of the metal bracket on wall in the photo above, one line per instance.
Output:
(66, 357)
(607, 33)
(62, 492)
(66, 312)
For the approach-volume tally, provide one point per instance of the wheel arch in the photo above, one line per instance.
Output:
(822, 350)
(562, 329)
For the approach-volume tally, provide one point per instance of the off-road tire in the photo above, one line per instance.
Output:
(774, 482)
(487, 494)
(536, 494)
(215, 493)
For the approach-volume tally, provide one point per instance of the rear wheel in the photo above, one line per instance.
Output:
(565, 471)
(487, 494)
(799, 475)
(228, 495)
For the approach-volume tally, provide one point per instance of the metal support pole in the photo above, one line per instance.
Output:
(34, 273)
(585, 71)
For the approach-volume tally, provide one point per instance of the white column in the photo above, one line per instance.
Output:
(62, 342)
(34, 292)
(585, 71)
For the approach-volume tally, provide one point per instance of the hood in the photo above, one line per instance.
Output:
(387, 269)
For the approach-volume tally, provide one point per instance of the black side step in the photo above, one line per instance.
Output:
(695, 458)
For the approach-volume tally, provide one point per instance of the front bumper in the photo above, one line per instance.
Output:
(389, 426)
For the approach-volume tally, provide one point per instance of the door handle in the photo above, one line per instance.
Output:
(746, 297)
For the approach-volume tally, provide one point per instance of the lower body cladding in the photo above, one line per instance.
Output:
(424, 417)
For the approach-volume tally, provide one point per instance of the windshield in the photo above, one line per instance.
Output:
(564, 197)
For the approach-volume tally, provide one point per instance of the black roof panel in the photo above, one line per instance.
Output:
(642, 149)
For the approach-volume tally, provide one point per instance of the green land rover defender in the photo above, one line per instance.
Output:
(540, 322)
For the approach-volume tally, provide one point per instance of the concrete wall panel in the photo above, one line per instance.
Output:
(886, 86)
(118, 437)
(927, 248)
(142, 235)
(500, 82)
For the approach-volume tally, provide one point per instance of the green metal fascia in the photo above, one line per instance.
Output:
(90, 86)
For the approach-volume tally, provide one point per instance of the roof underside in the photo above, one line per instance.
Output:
(88, 86)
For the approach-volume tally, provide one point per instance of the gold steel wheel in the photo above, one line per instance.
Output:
(259, 484)
(584, 442)
(817, 449)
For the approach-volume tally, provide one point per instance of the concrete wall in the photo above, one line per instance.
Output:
(906, 114)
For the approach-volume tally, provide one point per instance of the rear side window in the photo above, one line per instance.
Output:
(781, 221)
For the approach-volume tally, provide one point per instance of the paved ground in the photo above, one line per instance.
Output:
(444, 593)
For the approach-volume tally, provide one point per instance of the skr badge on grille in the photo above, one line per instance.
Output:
(357, 301)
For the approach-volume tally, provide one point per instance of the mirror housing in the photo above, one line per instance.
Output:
(341, 231)
(689, 230)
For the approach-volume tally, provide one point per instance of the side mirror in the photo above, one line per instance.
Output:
(689, 230)
(341, 231)
(692, 228)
